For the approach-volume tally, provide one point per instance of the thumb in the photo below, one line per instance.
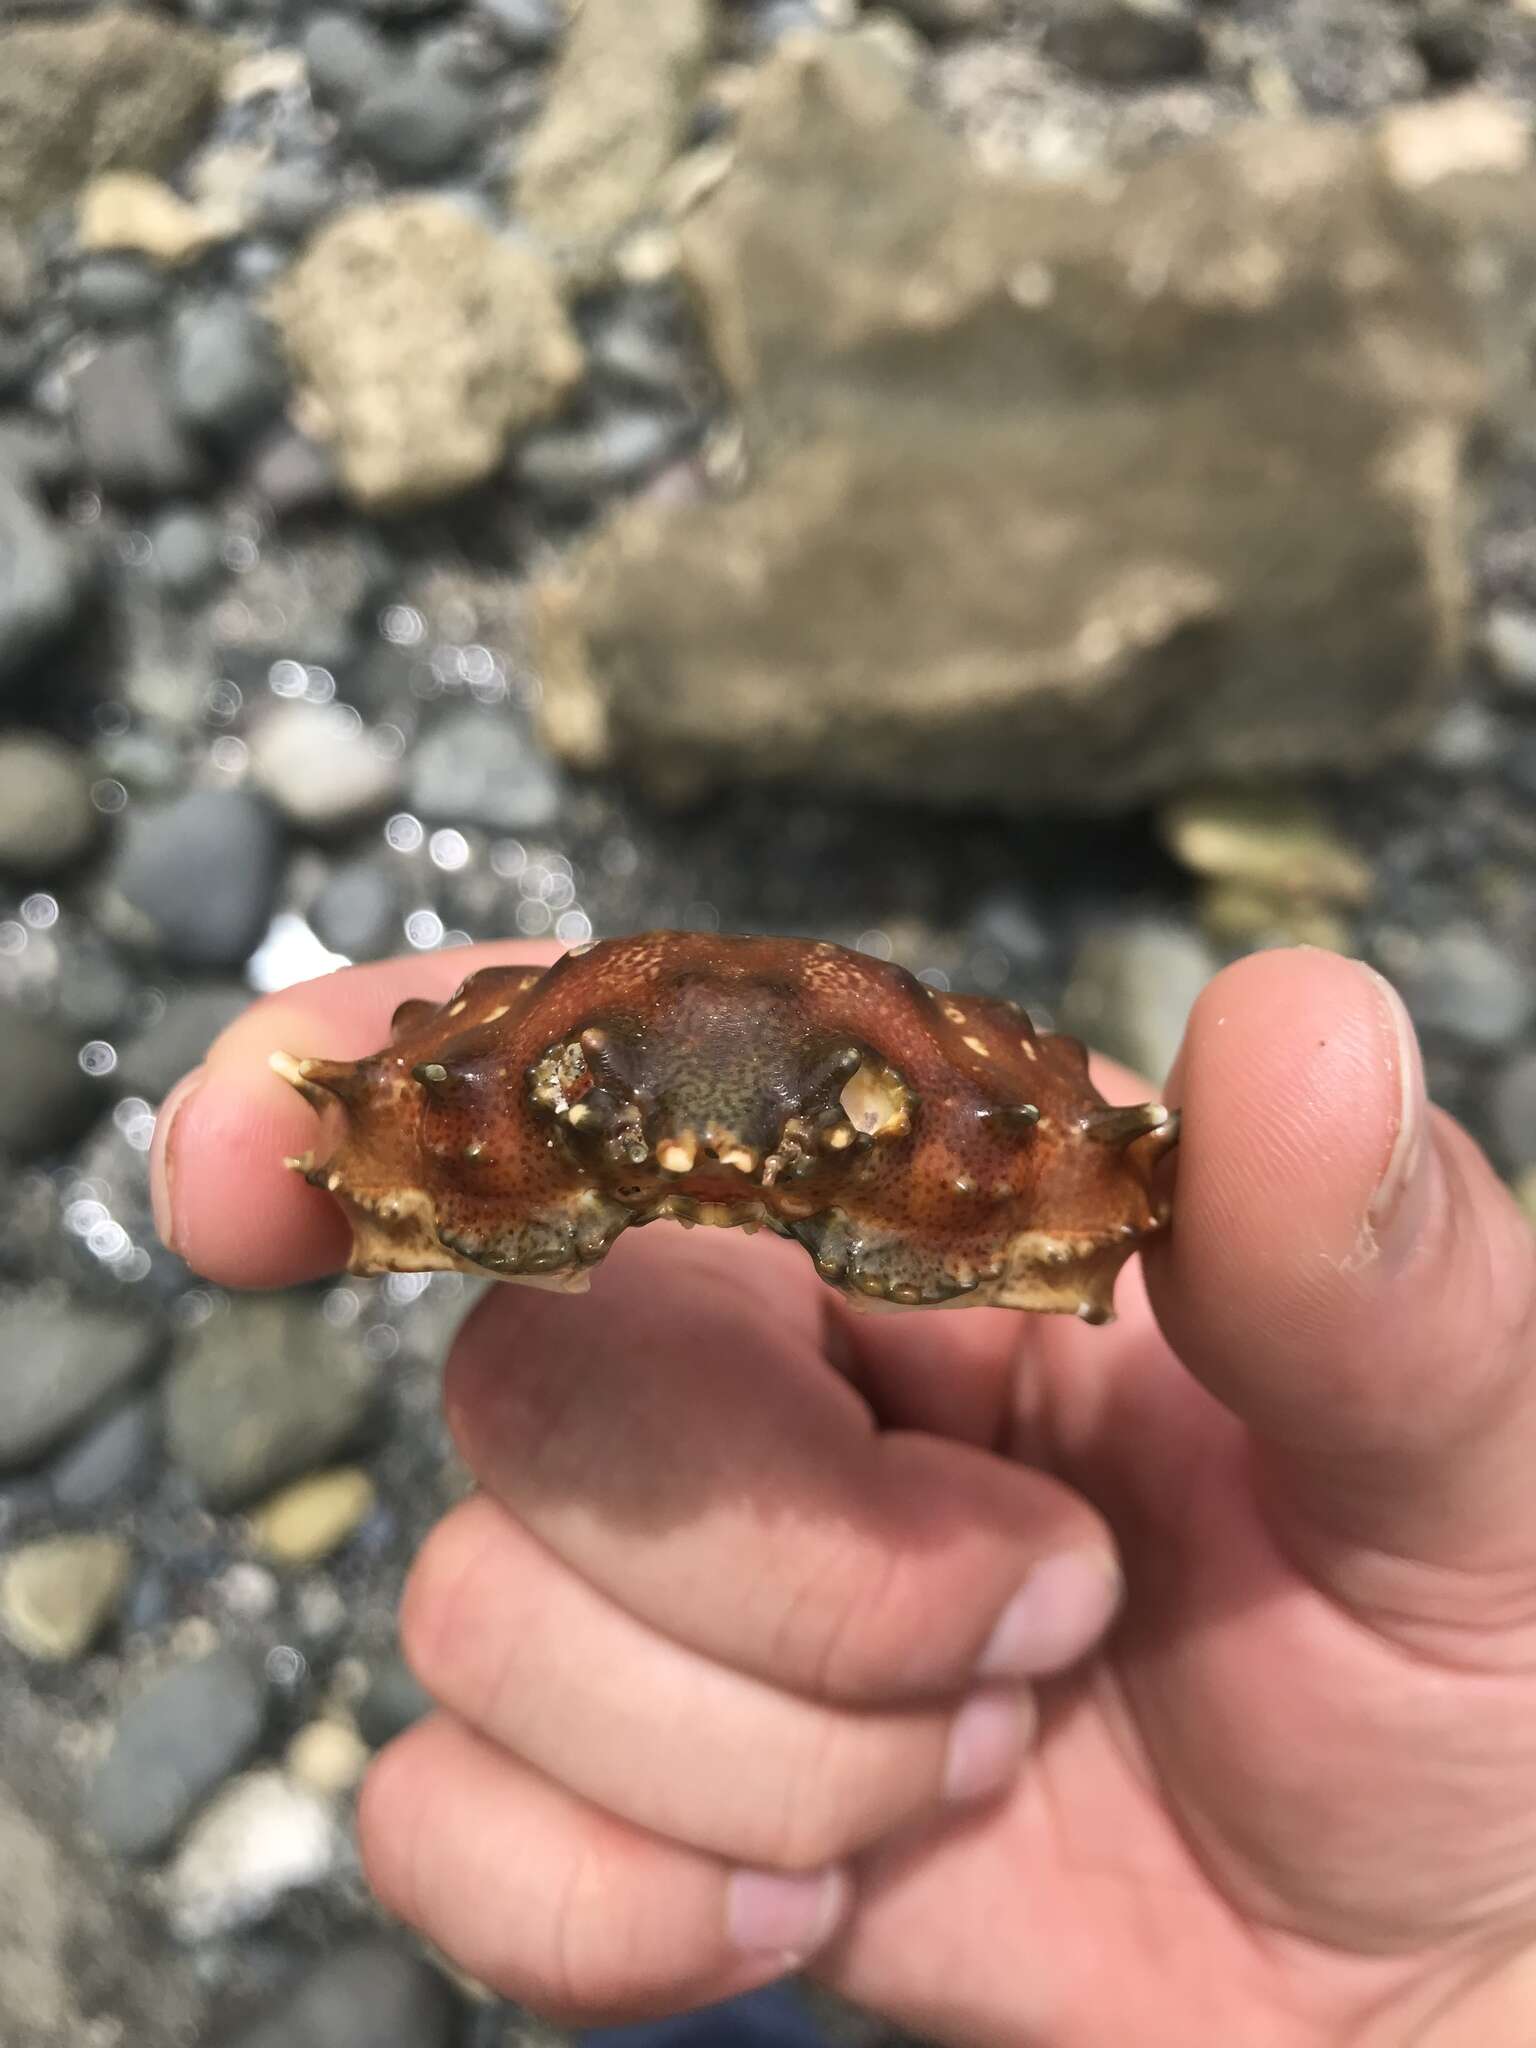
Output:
(1347, 1274)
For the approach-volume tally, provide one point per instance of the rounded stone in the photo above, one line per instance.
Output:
(357, 912)
(114, 1459)
(1132, 988)
(1275, 841)
(421, 125)
(227, 376)
(116, 290)
(1512, 1110)
(367, 1994)
(46, 1099)
(57, 1595)
(152, 1063)
(484, 770)
(63, 1362)
(201, 875)
(308, 1520)
(186, 557)
(262, 1837)
(261, 1393)
(529, 28)
(1509, 640)
(320, 766)
(395, 1700)
(1460, 983)
(47, 820)
(330, 1757)
(172, 1745)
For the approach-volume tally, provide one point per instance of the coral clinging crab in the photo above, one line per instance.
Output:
(928, 1150)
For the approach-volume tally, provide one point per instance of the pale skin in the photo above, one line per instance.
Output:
(1038, 1686)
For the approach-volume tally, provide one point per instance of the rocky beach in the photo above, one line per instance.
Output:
(1040, 490)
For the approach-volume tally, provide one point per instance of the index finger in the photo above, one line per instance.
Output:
(223, 1197)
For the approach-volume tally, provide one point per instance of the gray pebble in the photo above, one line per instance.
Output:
(117, 291)
(39, 580)
(529, 28)
(369, 1994)
(949, 17)
(1512, 1111)
(131, 440)
(484, 770)
(395, 1700)
(358, 911)
(186, 552)
(1132, 988)
(289, 198)
(46, 1099)
(62, 1363)
(346, 59)
(1460, 982)
(172, 1746)
(150, 1064)
(226, 371)
(261, 1392)
(47, 819)
(293, 473)
(202, 875)
(1006, 919)
(421, 124)
(1124, 42)
(114, 1459)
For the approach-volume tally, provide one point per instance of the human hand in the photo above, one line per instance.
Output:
(749, 1646)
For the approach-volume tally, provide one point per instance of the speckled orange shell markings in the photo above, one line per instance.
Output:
(927, 1149)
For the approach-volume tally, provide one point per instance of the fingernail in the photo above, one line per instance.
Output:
(162, 1164)
(1401, 1046)
(987, 1744)
(790, 1917)
(1056, 1617)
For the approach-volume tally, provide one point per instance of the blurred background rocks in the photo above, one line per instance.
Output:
(1042, 490)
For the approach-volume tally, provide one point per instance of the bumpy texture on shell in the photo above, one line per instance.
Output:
(928, 1150)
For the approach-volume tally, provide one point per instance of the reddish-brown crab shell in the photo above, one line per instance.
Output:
(927, 1149)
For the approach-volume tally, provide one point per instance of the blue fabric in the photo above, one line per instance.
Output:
(763, 2019)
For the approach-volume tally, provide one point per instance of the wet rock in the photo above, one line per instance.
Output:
(1512, 1110)
(261, 1838)
(306, 601)
(308, 1520)
(131, 440)
(291, 197)
(62, 1364)
(329, 1756)
(120, 90)
(1131, 991)
(46, 1099)
(422, 124)
(151, 1063)
(346, 60)
(1127, 41)
(116, 291)
(113, 1460)
(358, 911)
(369, 1993)
(261, 1393)
(172, 1745)
(949, 17)
(1279, 842)
(227, 377)
(1452, 37)
(1028, 511)
(395, 1700)
(616, 115)
(1460, 983)
(186, 553)
(40, 581)
(427, 341)
(529, 28)
(47, 820)
(197, 878)
(483, 770)
(127, 211)
(320, 766)
(57, 1595)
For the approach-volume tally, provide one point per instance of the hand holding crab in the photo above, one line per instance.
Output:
(1170, 1684)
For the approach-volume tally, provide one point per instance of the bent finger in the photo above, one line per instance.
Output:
(560, 1906)
(678, 1438)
